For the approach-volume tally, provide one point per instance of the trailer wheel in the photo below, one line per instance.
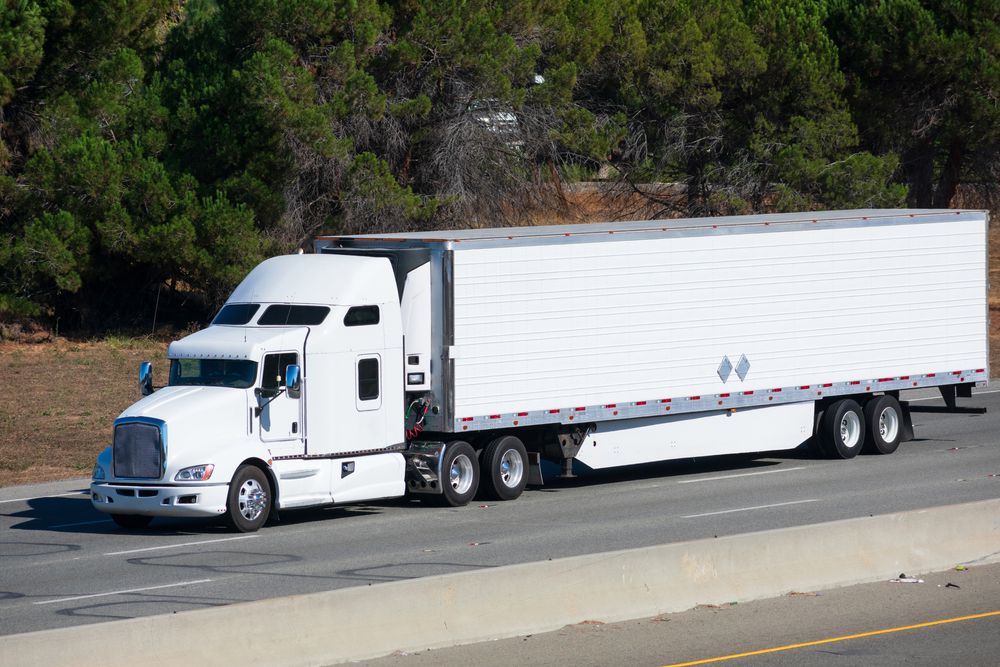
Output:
(884, 418)
(459, 473)
(249, 499)
(131, 521)
(505, 465)
(842, 429)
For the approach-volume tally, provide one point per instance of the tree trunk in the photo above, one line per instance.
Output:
(918, 169)
(696, 194)
(950, 175)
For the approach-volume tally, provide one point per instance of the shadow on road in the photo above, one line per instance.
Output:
(77, 516)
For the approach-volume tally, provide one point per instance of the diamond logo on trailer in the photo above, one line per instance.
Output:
(743, 367)
(725, 368)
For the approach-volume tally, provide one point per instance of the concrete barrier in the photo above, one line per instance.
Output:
(358, 623)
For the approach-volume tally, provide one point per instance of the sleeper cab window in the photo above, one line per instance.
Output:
(368, 382)
(361, 316)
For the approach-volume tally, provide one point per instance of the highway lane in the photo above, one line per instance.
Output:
(62, 563)
(953, 618)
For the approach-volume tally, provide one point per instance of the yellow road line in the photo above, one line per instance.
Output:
(831, 640)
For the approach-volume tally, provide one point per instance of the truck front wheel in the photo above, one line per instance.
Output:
(505, 462)
(460, 473)
(842, 429)
(249, 499)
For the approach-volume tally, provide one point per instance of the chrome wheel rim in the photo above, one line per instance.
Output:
(511, 468)
(252, 500)
(850, 429)
(460, 475)
(888, 424)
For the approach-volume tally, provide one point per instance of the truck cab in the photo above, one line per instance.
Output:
(292, 397)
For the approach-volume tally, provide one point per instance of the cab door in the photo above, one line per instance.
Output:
(280, 415)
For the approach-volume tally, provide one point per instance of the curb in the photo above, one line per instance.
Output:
(468, 607)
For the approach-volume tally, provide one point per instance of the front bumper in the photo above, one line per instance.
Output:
(189, 501)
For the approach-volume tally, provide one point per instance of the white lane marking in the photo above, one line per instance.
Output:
(742, 474)
(747, 509)
(80, 523)
(130, 590)
(938, 398)
(57, 495)
(184, 544)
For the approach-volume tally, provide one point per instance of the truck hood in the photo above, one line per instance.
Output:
(197, 418)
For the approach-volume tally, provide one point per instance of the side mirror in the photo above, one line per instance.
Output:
(145, 378)
(293, 381)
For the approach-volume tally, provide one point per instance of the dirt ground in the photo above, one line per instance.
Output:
(58, 399)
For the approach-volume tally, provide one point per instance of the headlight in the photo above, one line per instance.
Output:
(200, 473)
(98, 473)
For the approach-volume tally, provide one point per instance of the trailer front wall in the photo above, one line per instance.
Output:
(552, 326)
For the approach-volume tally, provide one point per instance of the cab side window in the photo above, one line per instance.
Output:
(274, 369)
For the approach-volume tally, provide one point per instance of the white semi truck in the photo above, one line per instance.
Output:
(446, 364)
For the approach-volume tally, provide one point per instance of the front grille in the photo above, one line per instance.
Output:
(138, 452)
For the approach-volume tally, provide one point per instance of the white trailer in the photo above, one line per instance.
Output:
(380, 365)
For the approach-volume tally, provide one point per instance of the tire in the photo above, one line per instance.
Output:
(842, 429)
(249, 501)
(459, 474)
(505, 468)
(884, 418)
(131, 521)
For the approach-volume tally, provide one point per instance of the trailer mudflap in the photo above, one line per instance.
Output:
(950, 393)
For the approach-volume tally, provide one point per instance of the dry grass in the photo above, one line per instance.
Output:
(59, 400)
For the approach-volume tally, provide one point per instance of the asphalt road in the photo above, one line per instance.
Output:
(62, 563)
(952, 618)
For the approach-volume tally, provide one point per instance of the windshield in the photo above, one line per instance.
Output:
(236, 373)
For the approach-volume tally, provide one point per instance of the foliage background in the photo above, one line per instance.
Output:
(152, 151)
